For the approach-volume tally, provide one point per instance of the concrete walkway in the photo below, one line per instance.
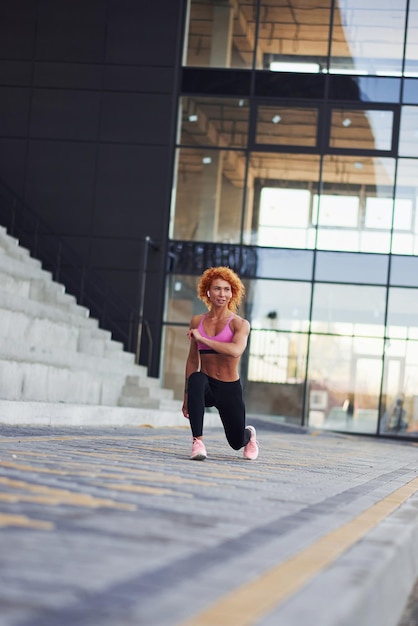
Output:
(117, 527)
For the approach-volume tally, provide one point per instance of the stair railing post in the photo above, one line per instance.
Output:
(148, 242)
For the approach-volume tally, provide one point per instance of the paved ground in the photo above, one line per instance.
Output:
(116, 527)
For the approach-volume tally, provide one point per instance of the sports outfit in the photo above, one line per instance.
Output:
(205, 391)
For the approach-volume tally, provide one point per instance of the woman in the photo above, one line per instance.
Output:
(217, 341)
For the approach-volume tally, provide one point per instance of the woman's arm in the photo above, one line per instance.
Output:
(241, 330)
(192, 363)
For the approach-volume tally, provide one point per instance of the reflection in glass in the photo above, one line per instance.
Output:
(279, 305)
(358, 129)
(220, 34)
(276, 374)
(365, 185)
(293, 36)
(411, 51)
(404, 271)
(405, 226)
(281, 197)
(217, 122)
(349, 309)
(400, 383)
(347, 267)
(284, 263)
(208, 197)
(402, 318)
(344, 377)
(408, 140)
(277, 125)
(368, 37)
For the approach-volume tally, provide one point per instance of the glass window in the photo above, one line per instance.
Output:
(336, 210)
(285, 126)
(220, 34)
(404, 271)
(349, 310)
(405, 223)
(281, 199)
(411, 52)
(344, 375)
(218, 122)
(293, 37)
(346, 267)
(182, 302)
(408, 134)
(400, 384)
(279, 305)
(208, 195)
(402, 319)
(358, 129)
(276, 374)
(282, 263)
(358, 218)
(368, 37)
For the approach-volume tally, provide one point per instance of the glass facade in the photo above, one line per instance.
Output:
(297, 165)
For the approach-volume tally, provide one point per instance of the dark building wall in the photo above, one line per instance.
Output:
(88, 93)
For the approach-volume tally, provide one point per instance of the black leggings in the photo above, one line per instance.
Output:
(204, 391)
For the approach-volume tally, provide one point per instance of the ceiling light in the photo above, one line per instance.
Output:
(346, 122)
(207, 160)
(276, 119)
(358, 166)
(193, 118)
(241, 103)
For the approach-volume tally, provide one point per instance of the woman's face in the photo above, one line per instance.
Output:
(220, 292)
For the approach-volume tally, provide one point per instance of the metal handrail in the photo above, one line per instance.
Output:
(57, 256)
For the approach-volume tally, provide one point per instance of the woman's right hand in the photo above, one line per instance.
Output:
(184, 410)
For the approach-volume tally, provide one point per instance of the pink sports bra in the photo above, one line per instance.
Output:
(225, 336)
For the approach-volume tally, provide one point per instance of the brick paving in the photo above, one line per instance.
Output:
(117, 527)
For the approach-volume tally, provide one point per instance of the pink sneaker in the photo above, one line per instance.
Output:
(251, 449)
(198, 450)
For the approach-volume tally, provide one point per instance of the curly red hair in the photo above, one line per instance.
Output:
(225, 273)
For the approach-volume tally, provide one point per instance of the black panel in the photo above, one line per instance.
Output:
(63, 114)
(71, 30)
(287, 85)
(117, 254)
(141, 79)
(143, 33)
(60, 184)
(364, 88)
(140, 118)
(210, 81)
(68, 75)
(14, 111)
(16, 73)
(132, 182)
(17, 29)
(12, 163)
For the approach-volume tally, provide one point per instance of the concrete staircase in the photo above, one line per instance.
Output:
(57, 367)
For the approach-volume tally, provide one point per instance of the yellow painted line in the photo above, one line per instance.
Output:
(101, 471)
(65, 496)
(246, 605)
(24, 522)
(155, 491)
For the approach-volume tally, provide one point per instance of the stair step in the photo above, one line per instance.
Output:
(56, 363)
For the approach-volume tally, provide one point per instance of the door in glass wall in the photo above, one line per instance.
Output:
(344, 379)
(399, 415)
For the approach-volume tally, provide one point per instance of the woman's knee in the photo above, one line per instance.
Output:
(196, 380)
